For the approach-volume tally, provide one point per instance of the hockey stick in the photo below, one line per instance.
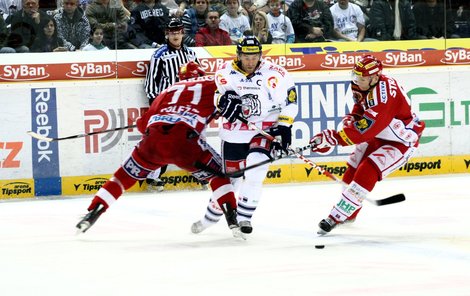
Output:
(240, 172)
(43, 138)
(379, 202)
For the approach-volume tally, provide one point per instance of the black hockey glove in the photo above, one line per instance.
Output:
(230, 106)
(285, 134)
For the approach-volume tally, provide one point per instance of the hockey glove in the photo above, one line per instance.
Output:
(283, 134)
(324, 142)
(230, 106)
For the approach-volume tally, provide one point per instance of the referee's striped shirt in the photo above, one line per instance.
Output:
(164, 67)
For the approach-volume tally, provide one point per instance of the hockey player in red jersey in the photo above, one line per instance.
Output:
(171, 131)
(384, 130)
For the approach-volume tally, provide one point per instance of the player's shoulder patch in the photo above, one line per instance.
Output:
(291, 96)
(364, 124)
(160, 51)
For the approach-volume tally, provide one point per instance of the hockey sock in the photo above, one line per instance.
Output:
(112, 189)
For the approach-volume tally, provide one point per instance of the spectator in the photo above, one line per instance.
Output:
(311, 19)
(148, 21)
(349, 23)
(25, 26)
(211, 34)
(432, 20)
(234, 22)
(96, 39)
(9, 7)
(176, 8)
(4, 38)
(248, 9)
(72, 25)
(48, 39)
(193, 19)
(114, 21)
(461, 18)
(388, 23)
(279, 24)
(218, 5)
(260, 27)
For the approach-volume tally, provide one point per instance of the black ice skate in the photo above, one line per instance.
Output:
(155, 185)
(245, 227)
(90, 218)
(231, 217)
(326, 225)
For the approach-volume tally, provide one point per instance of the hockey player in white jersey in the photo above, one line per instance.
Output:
(264, 94)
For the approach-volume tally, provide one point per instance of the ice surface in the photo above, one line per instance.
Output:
(143, 245)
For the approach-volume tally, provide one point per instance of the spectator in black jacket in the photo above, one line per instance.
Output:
(4, 37)
(147, 24)
(25, 26)
(382, 23)
(311, 19)
(432, 20)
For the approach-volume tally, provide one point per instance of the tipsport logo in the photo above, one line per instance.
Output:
(100, 120)
(438, 112)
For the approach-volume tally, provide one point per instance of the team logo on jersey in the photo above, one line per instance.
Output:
(371, 101)
(364, 124)
(272, 82)
(220, 78)
(291, 96)
(251, 106)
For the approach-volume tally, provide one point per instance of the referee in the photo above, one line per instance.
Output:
(162, 73)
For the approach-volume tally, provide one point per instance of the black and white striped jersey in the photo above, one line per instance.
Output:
(164, 67)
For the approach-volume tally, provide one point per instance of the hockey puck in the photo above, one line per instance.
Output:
(319, 246)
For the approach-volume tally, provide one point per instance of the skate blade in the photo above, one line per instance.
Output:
(236, 232)
(82, 227)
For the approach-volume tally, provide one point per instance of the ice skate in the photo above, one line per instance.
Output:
(90, 219)
(245, 226)
(204, 185)
(155, 185)
(326, 225)
(198, 227)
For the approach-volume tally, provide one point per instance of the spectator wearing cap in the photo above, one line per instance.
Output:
(211, 34)
(234, 22)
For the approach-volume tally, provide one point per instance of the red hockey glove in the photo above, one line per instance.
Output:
(324, 142)
(230, 106)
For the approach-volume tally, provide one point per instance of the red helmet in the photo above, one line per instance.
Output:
(190, 70)
(367, 66)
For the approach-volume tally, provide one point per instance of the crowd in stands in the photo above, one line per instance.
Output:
(70, 25)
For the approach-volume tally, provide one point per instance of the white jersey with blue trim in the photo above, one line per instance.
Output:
(269, 97)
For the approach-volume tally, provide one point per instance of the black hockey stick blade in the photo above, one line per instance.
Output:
(389, 200)
(48, 139)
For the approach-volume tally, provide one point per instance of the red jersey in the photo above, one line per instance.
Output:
(386, 114)
(189, 102)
